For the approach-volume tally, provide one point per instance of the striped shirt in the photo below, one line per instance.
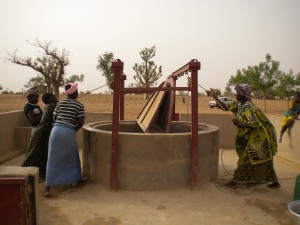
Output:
(68, 111)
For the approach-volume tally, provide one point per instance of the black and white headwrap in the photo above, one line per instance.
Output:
(245, 90)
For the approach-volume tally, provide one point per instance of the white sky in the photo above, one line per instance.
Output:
(224, 35)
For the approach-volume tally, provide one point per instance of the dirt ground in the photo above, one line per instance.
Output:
(135, 103)
(209, 205)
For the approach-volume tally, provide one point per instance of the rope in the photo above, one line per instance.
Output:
(93, 90)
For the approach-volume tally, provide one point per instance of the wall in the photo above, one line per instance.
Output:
(223, 121)
(13, 142)
(289, 148)
(15, 133)
(90, 118)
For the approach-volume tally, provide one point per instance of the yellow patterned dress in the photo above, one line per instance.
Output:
(255, 146)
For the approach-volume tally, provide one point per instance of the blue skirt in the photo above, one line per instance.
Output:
(63, 165)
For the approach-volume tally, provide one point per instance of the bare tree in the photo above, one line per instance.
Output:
(51, 64)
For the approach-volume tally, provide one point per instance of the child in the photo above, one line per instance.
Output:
(290, 115)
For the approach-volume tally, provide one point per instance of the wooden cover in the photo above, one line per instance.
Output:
(157, 113)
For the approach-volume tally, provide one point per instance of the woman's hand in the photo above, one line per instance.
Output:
(238, 123)
(211, 93)
(235, 121)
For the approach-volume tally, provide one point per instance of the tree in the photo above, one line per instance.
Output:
(146, 72)
(39, 82)
(287, 83)
(261, 77)
(218, 92)
(74, 78)
(104, 65)
(51, 64)
(228, 91)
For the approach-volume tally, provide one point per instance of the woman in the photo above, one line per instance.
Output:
(37, 150)
(32, 110)
(63, 166)
(255, 140)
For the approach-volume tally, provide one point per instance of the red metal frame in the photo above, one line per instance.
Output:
(118, 112)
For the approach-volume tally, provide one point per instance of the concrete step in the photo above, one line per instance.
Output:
(11, 155)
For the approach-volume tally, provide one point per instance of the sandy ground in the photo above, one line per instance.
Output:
(210, 204)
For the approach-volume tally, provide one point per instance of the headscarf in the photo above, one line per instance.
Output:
(32, 91)
(72, 88)
(245, 90)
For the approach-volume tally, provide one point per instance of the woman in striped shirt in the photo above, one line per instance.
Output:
(63, 166)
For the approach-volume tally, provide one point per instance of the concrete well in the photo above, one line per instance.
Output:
(149, 161)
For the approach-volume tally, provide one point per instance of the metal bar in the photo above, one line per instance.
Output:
(117, 67)
(153, 89)
(123, 78)
(192, 65)
(174, 106)
(194, 158)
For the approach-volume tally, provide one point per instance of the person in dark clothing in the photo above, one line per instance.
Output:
(32, 110)
(37, 150)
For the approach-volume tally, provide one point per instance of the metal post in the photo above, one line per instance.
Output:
(194, 161)
(123, 78)
(117, 67)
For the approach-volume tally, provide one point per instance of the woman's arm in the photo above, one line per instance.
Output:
(34, 118)
(80, 123)
(218, 101)
(238, 123)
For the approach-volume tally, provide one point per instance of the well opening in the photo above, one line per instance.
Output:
(133, 127)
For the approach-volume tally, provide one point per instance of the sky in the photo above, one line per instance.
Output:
(223, 35)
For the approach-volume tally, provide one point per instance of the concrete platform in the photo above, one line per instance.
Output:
(211, 204)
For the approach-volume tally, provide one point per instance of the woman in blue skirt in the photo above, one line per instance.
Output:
(63, 165)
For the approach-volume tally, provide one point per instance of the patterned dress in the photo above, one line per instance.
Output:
(37, 150)
(255, 146)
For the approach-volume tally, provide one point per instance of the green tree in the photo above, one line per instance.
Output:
(50, 64)
(40, 83)
(104, 65)
(262, 77)
(37, 81)
(147, 72)
(228, 91)
(74, 78)
(287, 83)
(218, 92)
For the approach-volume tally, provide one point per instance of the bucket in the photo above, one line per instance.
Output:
(294, 208)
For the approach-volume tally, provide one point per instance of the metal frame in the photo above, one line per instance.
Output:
(118, 112)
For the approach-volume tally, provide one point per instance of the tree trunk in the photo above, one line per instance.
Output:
(56, 91)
